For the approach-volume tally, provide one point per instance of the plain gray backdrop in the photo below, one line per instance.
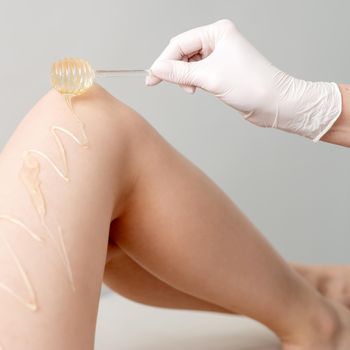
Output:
(295, 191)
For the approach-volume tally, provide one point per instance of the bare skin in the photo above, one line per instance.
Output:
(339, 134)
(331, 281)
(135, 191)
(100, 177)
(127, 278)
(132, 281)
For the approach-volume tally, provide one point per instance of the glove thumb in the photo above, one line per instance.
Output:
(177, 72)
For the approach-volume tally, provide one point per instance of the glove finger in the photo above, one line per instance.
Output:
(195, 58)
(178, 72)
(190, 89)
(198, 42)
(185, 44)
(151, 79)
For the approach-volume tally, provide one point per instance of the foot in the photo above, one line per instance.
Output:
(331, 281)
(330, 333)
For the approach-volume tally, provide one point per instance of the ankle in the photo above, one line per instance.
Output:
(320, 328)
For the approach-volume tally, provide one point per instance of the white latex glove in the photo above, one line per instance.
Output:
(218, 59)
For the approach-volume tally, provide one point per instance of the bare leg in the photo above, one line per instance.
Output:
(182, 229)
(49, 295)
(333, 281)
(168, 216)
(127, 278)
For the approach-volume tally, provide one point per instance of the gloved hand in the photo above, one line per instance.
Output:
(218, 59)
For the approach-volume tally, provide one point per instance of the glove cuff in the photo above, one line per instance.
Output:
(329, 115)
(307, 108)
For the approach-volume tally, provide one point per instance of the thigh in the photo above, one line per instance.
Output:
(129, 279)
(183, 229)
(56, 206)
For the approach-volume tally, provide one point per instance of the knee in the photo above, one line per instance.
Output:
(116, 128)
(124, 139)
(120, 135)
(114, 134)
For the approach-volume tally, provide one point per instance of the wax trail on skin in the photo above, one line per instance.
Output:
(32, 304)
(63, 172)
(29, 175)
